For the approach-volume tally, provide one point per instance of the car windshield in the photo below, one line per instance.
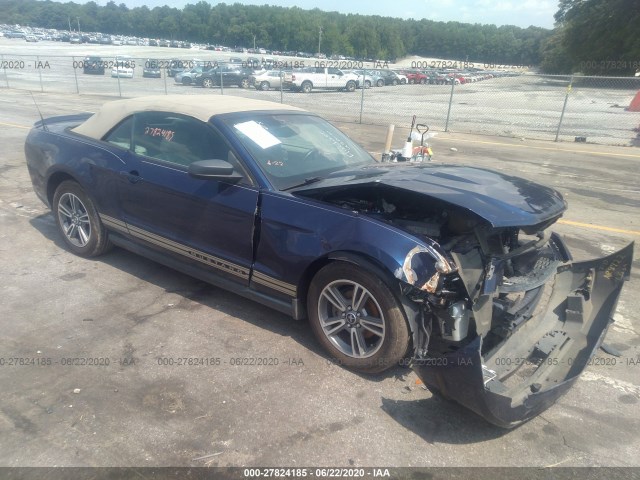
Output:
(291, 149)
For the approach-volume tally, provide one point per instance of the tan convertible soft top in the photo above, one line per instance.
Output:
(202, 107)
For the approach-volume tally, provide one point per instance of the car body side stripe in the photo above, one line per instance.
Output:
(274, 283)
(176, 247)
(210, 260)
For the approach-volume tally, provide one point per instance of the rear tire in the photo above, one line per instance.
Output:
(306, 87)
(78, 221)
(207, 83)
(351, 86)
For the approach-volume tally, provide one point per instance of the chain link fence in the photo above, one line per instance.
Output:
(592, 109)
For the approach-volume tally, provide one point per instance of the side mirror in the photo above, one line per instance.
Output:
(213, 169)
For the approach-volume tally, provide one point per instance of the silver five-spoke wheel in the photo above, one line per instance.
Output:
(351, 318)
(356, 317)
(74, 220)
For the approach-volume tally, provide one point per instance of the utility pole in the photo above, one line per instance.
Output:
(319, 38)
(69, 19)
(78, 18)
(254, 43)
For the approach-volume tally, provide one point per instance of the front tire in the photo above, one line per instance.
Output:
(207, 83)
(78, 221)
(380, 83)
(264, 86)
(356, 318)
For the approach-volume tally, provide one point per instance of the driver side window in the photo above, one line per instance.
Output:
(180, 140)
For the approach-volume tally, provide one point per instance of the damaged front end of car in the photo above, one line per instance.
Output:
(503, 320)
(510, 323)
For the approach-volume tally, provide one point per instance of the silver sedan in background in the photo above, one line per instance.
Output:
(271, 79)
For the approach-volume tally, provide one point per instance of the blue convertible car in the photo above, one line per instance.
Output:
(448, 266)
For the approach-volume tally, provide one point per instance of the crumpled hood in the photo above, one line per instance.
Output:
(502, 200)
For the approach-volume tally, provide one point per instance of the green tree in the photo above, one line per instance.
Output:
(597, 36)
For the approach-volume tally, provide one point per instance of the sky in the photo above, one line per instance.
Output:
(522, 13)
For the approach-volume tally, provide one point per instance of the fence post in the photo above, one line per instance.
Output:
(221, 83)
(362, 96)
(164, 75)
(281, 86)
(75, 73)
(564, 107)
(118, 77)
(39, 72)
(453, 84)
(6, 77)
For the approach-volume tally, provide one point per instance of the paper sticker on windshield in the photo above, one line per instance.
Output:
(258, 134)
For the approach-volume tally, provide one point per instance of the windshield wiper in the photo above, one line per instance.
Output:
(307, 181)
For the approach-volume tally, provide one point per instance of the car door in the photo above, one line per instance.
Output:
(230, 75)
(335, 78)
(209, 223)
(318, 77)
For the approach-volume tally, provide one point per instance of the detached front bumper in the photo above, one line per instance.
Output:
(537, 363)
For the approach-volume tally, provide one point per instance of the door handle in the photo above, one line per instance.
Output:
(132, 176)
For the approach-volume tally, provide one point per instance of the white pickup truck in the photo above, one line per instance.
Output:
(306, 79)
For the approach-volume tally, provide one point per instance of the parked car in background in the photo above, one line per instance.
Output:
(402, 77)
(187, 77)
(123, 67)
(371, 78)
(227, 74)
(15, 34)
(379, 81)
(390, 77)
(151, 68)
(271, 79)
(416, 77)
(253, 62)
(454, 77)
(176, 66)
(310, 78)
(93, 65)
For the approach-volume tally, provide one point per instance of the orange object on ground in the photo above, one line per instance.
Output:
(634, 106)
